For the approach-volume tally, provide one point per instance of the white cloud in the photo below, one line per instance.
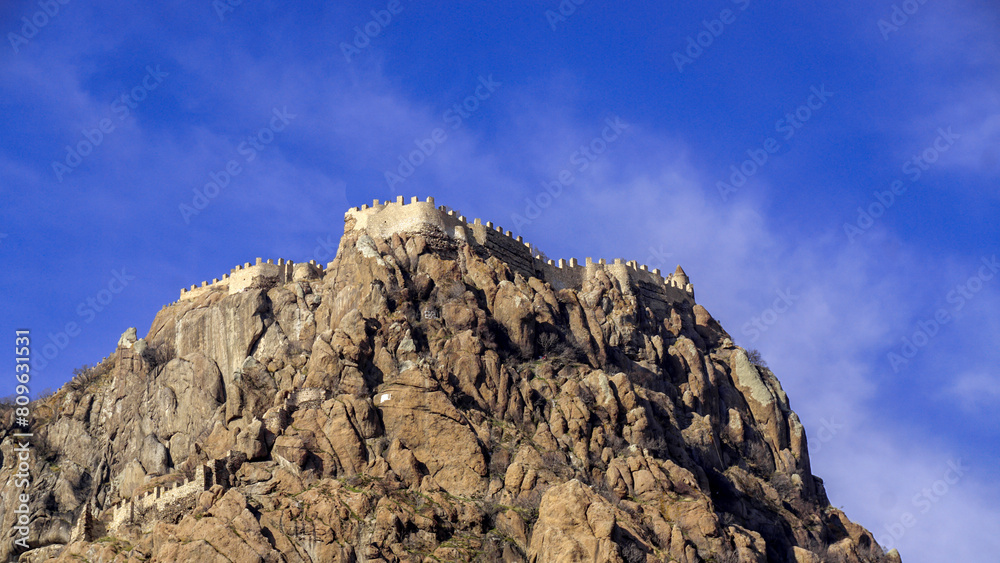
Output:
(827, 349)
(643, 193)
(976, 391)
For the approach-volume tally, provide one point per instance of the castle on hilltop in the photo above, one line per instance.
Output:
(259, 275)
(383, 219)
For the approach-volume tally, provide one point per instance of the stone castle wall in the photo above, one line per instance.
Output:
(262, 275)
(162, 498)
(383, 219)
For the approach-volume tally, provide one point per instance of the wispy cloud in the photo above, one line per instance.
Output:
(880, 438)
(976, 392)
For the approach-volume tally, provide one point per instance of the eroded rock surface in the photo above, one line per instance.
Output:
(421, 401)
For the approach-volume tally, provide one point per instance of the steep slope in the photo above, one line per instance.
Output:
(432, 395)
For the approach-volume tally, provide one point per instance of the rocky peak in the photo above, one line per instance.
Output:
(440, 391)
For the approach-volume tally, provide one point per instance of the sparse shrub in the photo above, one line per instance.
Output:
(161, 353)
(527, 503)
(656, 444)
(86, 375)
(552, 344)
(601, 487)
(44, 452)
(728, 556)
(784, 485)
(727, 519)
(492, 549)
(548, 341)
(616, 442)
(755, 358)
(758, 453)
(632, 553)
(499, 460)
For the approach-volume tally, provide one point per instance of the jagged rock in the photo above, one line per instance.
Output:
(574, 524)
(804, 556)
(252, 441)
(428, 424)
(153, 456)
(128, 338)
(436, 393)
(131, 476)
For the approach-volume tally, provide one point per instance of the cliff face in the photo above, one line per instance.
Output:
(422, 400)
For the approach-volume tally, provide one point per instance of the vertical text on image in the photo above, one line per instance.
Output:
(22, 451)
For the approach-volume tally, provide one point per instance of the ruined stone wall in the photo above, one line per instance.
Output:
(159, 499)
(259, 276)
(84, 528)
(121, 515)
(305, 395)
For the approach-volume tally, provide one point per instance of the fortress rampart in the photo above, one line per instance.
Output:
(383, 219)
(162, 498)
(255, 276)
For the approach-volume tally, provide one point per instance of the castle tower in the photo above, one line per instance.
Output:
(680, 278)
(84, 529)
(199, 477)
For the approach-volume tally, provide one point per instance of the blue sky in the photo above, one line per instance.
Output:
(757, 144)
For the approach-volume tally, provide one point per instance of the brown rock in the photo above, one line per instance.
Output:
(574, 525)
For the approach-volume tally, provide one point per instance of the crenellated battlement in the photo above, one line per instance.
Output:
(260, 275)
(383, 219)
(162, 497)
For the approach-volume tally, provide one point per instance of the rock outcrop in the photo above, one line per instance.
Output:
(420, 399)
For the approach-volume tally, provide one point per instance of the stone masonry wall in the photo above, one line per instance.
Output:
(383, 219)
(262, 275)
(160, 499)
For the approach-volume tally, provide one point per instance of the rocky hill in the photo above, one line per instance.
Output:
(436, 393)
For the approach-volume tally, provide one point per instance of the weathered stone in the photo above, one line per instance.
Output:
(425, 396)
(574, 524)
